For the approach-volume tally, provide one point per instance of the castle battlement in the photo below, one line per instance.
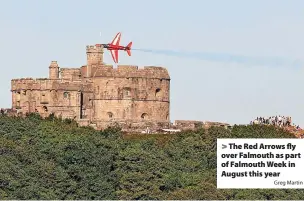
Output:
(36, 80)
(29, 80)
(127, 68)
(94, 46)
(41, 84)
(54, 64)
(69, 69)
(94, 49)
(136, 68)
(130, 71)
(23, 79)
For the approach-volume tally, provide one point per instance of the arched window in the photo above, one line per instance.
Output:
(157, 92)
(18, 96)
(144, 116)
(110, 115)
(45, 108)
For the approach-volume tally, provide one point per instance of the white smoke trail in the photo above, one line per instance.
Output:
(223, 57)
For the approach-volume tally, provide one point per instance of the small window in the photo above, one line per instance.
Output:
(43, 94)
(127, 91)
(144, 116)
(45, 108)
(110, 115)
(66, 94)
(157, 92)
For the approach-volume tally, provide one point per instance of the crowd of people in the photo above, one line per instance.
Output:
(3, 111)
(280, 121)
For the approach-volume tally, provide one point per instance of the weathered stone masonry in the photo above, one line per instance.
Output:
(98, 94)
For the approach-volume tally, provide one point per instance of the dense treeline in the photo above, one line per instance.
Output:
(55, 159)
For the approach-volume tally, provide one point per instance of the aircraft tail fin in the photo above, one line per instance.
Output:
(129, 48)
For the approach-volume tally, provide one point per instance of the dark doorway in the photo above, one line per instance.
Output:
(81, 105)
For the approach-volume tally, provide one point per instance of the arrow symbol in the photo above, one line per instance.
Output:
(224, 146)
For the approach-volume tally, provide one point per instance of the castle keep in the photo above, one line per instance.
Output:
(97, 94)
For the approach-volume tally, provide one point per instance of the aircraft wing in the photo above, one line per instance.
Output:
(114, 54)
(116, 40)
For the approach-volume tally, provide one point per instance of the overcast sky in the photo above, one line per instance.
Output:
(35, 32)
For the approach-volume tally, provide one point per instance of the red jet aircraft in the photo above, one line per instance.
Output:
(114, 47)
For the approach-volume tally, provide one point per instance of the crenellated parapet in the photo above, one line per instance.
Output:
(42, 84)
(70, 73)
(130, 71)
(94, 54)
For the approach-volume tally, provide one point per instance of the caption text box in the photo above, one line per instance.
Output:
(260, 163)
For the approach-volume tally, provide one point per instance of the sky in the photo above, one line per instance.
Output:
(35, 32)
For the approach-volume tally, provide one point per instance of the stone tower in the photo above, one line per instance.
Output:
(54, 70)
(94, 57)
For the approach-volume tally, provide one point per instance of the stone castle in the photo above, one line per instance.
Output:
(98, 94)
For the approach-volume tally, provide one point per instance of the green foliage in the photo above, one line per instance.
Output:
(113, 132)
(56, 159)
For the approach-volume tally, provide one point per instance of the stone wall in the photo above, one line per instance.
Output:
(188, 124)
(131, 93)
(191, 125)
(70, 73)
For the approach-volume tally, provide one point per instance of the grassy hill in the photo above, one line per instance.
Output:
(56, 159)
